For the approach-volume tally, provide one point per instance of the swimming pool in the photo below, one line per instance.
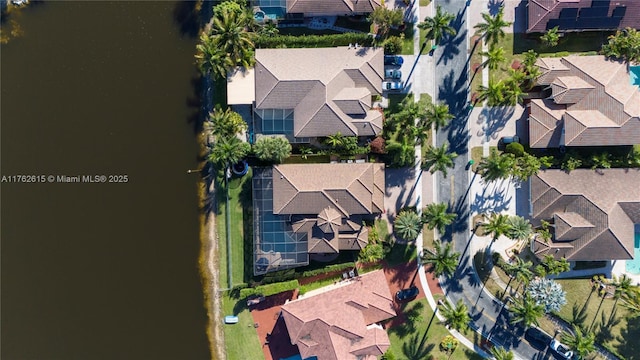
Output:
(633, 266)
(634, 71)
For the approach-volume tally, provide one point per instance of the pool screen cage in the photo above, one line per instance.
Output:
(275, 246)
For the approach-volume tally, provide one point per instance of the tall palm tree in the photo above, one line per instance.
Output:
(525, 311)
(492, 27)
(497, 225)
(211, 58)
(623, 287)
(228, 150)
(519, 228)
(229, 31)
(438, 25)
(499, 353)
(435, 216)
(224, 123)
(553, 266)
(402, 153)
(495, 57)
(455, 317)
(520, 270)
(512, 92)
(436, 115)
(494, 92)
(438, 159)
(631, 302)
(496, 166)
(443, 259)
(407, 225)
(582, 343)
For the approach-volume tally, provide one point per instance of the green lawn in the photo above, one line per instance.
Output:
(241, 339)
(407, 42)
(240, 226)
(412, 341)
(425, 2)
(318, 284)
(476, 155)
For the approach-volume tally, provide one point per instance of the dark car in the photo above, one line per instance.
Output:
(537, 338)
(407, 294)
(393, 60)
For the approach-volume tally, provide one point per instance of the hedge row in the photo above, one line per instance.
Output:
(311, 41)
(269, 289)
(328, 269)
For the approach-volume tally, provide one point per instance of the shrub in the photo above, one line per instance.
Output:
(377, 145)
(270, 289)
(515, 148)
(548, 293)
(328, 269)
(312, 41)
(393, 45)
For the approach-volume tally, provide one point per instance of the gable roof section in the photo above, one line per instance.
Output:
(316, 7)
(591, 211)
(592, 100)
(339, 324)
(329, 89)
(308, 189)
(574, 15)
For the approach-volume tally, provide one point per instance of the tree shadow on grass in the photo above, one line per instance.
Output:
(416, 348)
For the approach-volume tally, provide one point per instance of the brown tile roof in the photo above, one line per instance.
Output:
(574, 15)
(308, 189)
(592, 103)
(594, 212)
(331, 7)
(339, 324)
(328, 89)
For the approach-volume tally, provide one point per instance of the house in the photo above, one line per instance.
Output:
(309, 93)
(591, 102)
(593, 213)
(342, 324)
(580, 15)
(309, 8)
(312, 209)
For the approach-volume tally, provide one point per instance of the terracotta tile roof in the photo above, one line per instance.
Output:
(331, 7)
(576, 15)
(593, 211)
(592, 100)
(339, 324)
(328, 89)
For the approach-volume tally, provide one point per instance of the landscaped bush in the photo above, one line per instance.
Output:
(515, 148)
(270, 289)
(313, 41)
(329, 269)
(278, 276)
(272, 149)
(377, 145)
(393, 45)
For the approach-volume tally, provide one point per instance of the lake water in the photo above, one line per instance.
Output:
(100, 270)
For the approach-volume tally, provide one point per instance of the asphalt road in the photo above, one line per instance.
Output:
(451, 74)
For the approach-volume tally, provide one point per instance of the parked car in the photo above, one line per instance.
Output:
(393, 60)
(407, 294)
(392, 74)
(509, 139)
(391, 86)
(561, 349)
(537, 338)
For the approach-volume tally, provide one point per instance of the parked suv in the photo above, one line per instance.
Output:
(392, 74)
(537, 338)
(393, 60)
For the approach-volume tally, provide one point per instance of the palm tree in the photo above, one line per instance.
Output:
(228, 150)
(582, 343)
(492, 27)
(401, 153)
(435, 216)
(519, 228)
(495, 57)
(632, 303)
(272, 149)
(512, 92)
(525, 311)
(553, 266)
(493, 93)
(499, 353)
(438, 25)
(457, 317)
(385, 18)
(438, 159)
(436, 115)
(497, 225)
(551, 37)
(443, 259)
(230, 34)
(335, 140)
(623, 288)
(520, 270)
(225, 123)
(211, 58)
(407, 225)
(496, 166)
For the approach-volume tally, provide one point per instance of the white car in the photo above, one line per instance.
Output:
(391, 86)
(561, 349)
